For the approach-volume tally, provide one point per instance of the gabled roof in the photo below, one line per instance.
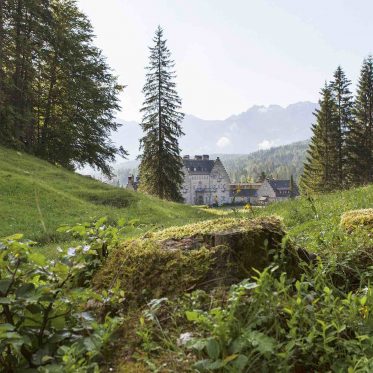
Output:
(282, 188)
(199, 166)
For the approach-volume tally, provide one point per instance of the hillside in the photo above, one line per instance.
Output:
(314, 223)
(281, 162)
(37, 197)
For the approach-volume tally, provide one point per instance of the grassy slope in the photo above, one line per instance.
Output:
(317, 228)
(37, 197)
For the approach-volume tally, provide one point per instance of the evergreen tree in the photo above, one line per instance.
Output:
(292, 187)
(161, 165)
(58, 97)
(344, 105)
(360, 136)
(320, 171)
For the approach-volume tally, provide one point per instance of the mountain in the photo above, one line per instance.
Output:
(257, 128)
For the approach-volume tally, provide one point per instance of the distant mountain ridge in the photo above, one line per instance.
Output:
(260, 127)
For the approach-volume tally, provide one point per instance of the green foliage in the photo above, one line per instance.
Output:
(360, 137)
(322, 163)
(269, 323)
(58, 96)
(279, 162)
(344, 106)
(161, 165)
(341, 150)
(45, 321)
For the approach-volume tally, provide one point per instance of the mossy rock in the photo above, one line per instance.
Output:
(356, 219)
(202, 255)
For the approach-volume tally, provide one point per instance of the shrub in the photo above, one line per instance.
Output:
(45, 321)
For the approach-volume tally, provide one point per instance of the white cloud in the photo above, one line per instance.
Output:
(266, 144)
(223, 142)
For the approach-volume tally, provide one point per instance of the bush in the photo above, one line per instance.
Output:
(45, 320)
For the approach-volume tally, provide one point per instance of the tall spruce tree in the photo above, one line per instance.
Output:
(360, 136)
(320, 169)
(344, 106)
(161, 165)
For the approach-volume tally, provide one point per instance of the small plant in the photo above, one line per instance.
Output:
(99, 236)
(46, 323)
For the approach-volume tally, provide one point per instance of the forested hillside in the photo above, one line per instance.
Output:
(280, 162)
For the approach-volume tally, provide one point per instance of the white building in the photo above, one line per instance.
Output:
(277, 190)
(206, 182)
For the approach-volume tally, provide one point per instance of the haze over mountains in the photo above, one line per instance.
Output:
(258, 128)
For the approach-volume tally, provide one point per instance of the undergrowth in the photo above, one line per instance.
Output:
(320, 322)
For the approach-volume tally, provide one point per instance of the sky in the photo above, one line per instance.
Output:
(233, 54)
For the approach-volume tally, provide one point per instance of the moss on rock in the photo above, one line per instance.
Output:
(355, 219)
(203, 255)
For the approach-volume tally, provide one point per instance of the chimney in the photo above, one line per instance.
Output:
(198, 157)
(186, 157)
(206, 157)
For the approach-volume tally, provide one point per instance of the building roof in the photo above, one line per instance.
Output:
(199, 166)
(282, 188)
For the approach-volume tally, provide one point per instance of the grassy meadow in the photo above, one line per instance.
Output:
(37, 197)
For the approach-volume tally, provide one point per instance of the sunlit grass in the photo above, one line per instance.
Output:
(37, 197)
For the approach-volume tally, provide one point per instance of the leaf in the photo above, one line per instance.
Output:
(230, 358)
(34, 309)
(363, 300)
(262, 342)
(5, 301)
(240, 363)
(213, 349)
(59, 323)
(4, 285)
(61, 269)
(63, 229)
(5, 328)
(38, 258)
(14, 237)
(196, 344)
(216, 365)
(192, 315)
(25, 290)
